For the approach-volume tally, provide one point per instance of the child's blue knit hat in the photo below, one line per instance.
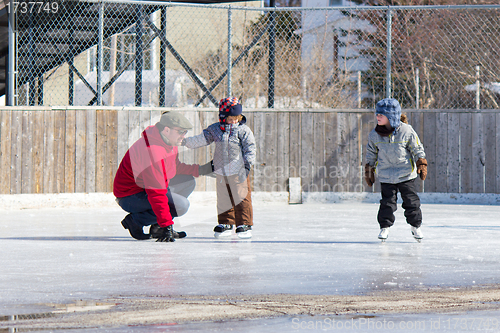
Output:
(390, 108)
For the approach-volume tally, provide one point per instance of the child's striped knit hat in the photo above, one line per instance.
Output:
(229, 106)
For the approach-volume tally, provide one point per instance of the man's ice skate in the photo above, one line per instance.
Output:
(384, 233)
(223, 230)
(244, 231)
(417, 234)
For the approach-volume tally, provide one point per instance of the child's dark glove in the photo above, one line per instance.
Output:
(207, 169)
(166, 234)
(243, 175)
(369, 175)
(422, 168)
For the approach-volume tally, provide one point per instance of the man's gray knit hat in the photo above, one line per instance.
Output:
(175, 119)
(390, 108)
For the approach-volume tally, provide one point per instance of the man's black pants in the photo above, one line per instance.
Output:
(388, 204)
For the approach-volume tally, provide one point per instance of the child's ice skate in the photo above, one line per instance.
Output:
(244, 231)
(417, 234)
(223, 230)
(384, 233)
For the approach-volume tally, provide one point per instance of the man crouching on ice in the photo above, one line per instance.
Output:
(152, 184)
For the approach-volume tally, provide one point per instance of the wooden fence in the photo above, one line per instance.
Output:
(55, 150)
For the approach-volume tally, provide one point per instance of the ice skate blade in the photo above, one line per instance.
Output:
(418, 239)
(222, 234)
(244, 235)
(180, 234)
(383, 240)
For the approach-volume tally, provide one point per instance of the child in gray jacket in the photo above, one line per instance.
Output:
(233, 157)
(396, 155)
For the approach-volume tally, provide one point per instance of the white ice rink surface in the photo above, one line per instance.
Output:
(64, 255)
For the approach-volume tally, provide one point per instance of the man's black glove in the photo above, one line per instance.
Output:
(166, 234)
(156, 232)
(207, 169)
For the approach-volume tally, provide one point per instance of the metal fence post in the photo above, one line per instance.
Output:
(272, 56)
(139, 61)
(229, 50)
(359, 89)
(40, 89)
(100, 50)
(163, 57)
(71, 77)
(112, 69)
(71, 83)
(417, 83)
(31, 62)
(478, 89)
(11, 59)
(388, 88)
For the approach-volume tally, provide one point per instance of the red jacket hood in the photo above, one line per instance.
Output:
(150, 153)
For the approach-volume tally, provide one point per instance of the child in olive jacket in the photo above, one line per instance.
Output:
(396, 155)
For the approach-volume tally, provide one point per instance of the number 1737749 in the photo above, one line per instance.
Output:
(32, 7)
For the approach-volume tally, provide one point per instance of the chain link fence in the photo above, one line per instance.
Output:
(177, 55)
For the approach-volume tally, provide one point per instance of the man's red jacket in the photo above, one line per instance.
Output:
(148, 166)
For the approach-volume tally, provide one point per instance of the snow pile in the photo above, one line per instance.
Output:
(425, 198)
(56, 200)
(97, 200)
